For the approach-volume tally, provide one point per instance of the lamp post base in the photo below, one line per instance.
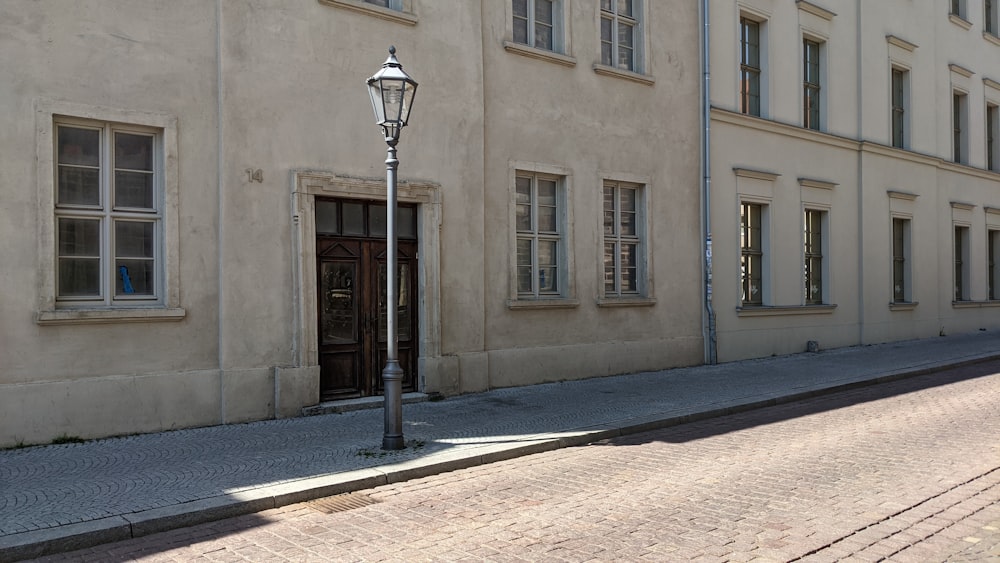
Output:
(392, 391)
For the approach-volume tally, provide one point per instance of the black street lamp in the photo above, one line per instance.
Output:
(392, 92)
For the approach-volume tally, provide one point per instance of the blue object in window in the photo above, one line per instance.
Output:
(126, 282)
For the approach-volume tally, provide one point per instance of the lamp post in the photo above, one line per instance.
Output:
(392, 92)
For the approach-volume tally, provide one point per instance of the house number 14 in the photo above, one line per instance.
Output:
(255, 175)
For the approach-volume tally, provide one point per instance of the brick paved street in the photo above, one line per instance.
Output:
(908, 471)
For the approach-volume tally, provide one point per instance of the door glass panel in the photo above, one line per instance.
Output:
(376, 221)
(326, 217)
(354, 219)
(338, 321)
(406, 223)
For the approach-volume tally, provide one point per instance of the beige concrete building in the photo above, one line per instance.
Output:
(855, 194)
(193, 203)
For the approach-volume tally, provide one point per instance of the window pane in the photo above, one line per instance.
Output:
(609, 268)
(133, 152)
(520, 8)
(78, 186)
(546, 192)
(523, 252)
(546, 252)
(376, 221)
(79, 237)
(406, 223)
(606, 6)
(543, 11)
(134, 277)
(79, 146)
(543, 36)
(353, 218)
(547, 280)
(133, 239)
(625, 8)
(546, 219)
(609, 210)
(79, 277)
(606, 27)
(524, 265)
(326, 217)
(134, 189)
(338, 323)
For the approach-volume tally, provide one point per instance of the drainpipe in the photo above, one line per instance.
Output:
(711, 355)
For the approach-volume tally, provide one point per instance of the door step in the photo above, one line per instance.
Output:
(348, 405)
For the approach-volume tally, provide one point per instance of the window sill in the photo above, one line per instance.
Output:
(557, 303)
(605, 70)
(373, 10)
(107, 316)
(903, 305)
(626, 301)
(780, 311)
(960, 21)
(540, 54)
(974, 304)
(991, 37)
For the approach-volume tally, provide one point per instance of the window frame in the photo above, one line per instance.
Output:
(957, 8)
(750, 75)
(558, 26)
(992, 136)
(756, 254)
(898, 108)
(812, 86)
(960, 126)
(815, 222)
(993, 263)
(961, 280)
(636, 21)
(166, 306)
(565, 296)
(991, 17)
(617, 238)
(901, 262)
(399, 11)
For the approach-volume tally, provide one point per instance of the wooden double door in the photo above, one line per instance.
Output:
(352, 315)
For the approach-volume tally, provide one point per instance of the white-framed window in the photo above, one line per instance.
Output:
(992, 137)
(901, 278)
(107, 185)
(752, 59)
(753, 252)
(993, 263)
(621, 34)
(991, 24)
(811, 83)
(957, 8)
(814, 243)
(624, 244)
(961, 257)
(959, 124)
(540, 235)
(899, 101)
(538, 24)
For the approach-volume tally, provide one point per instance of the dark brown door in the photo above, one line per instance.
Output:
(352, 312)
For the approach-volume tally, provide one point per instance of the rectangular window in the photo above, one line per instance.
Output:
(624, 251)
(539, 235)
(961, 263)
(536, 23)
(620, 34)
(750, 66)
(993, 261)
(900, 264)
(391, 4)
(813, 243)
(992, 132)
(899, 85)
(751, 253)
(957, 8)
(108, 214)
(810, 84)
(959, 113)
(990, 9)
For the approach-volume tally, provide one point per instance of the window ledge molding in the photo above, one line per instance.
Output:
(903, 305)
(901, 43)
(974, 304)
(612, 302)
(815, 10)
(991, 37)
(373, 10)
(960, 21)
(542, 303)
(613, 72)
(540, 54)
(784, 310)
(108, 316)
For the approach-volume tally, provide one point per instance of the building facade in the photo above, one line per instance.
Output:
(855, 194)
(194, 200)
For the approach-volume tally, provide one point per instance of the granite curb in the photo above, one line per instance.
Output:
(70, 537)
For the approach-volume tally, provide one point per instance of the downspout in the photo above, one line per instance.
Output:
(708, 323)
